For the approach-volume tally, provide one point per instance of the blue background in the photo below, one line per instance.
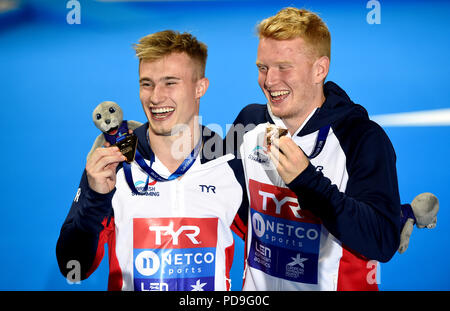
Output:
(52, 75)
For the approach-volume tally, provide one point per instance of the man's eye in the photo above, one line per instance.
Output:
(262, 68)
(146, 84)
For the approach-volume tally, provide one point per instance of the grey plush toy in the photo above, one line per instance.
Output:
(422, 212)
(108, 118)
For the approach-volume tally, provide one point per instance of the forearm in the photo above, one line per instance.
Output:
(366, 224)
(79, 236)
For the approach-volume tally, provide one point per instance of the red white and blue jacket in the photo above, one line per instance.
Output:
(327, 229)
(176, 236)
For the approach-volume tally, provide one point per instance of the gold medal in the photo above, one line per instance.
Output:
(128, 147)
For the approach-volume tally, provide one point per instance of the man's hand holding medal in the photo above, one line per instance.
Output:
(102, 164)
(101, 168)
(287, 157)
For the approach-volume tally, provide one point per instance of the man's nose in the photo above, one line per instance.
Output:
(158, 95)
(272, 77)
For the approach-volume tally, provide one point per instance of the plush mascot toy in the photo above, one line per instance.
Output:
(422, 212)
(108, 118)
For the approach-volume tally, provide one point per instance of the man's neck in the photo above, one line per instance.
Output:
(173, 150)
(294, 123)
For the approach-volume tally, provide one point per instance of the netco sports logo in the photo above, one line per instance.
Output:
(174, 253)
(285, 239)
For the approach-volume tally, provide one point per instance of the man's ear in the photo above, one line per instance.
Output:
(321, 68)
(202, 85)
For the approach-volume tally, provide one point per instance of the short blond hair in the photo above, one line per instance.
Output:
(291, 23)
(157, 45)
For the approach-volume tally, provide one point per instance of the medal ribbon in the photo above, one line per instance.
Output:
(320, 142)
(181, 170)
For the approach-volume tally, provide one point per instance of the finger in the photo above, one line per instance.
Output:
(292, 151)
(277, 157)
(106, 144)
(296, 160)
(281, 154)
(112, 167)
(100, 153)
(108, 172)
(274, 148)
(276, 144)
(287, 145)
(277, 162)
(105, 174)
(98, 179)
(103, 163)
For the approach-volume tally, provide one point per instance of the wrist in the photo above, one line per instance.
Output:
(304, 177)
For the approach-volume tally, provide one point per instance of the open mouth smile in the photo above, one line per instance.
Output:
(278, 96)
(161, 113)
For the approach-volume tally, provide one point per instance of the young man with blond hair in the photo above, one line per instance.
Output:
(166, 216)
(324, 200)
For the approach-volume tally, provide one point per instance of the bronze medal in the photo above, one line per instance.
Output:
(272, 132)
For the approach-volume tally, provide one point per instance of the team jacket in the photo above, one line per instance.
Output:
(327, 229)
(175, 237)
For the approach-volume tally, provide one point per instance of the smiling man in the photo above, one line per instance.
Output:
(164, 228)
(324, 201)
(288, 75)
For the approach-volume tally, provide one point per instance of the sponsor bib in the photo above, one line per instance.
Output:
(176, 254)
(285, 239)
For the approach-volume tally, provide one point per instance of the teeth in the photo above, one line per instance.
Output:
(278, 93)
(162, 110)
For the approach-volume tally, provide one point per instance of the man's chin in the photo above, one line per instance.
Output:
(176, 130)
(160, 131)
(277, 111)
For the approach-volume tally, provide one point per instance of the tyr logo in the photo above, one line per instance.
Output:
(208, 188)
(168, 230)
(294, 206)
